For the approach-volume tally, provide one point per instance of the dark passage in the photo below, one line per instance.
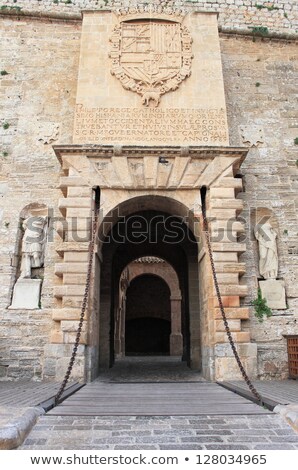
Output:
(148, 336)
(148, 317)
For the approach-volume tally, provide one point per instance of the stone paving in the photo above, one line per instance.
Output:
(162, 433)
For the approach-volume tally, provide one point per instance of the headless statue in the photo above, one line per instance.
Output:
(268, 258)
(33, 245)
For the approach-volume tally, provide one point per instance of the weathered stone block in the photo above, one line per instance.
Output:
(3, 371)
(239, 337)
(26, 294)
(274, 292)
(235, 325)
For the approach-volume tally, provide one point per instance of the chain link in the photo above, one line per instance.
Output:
(83, 310)
(222, 310)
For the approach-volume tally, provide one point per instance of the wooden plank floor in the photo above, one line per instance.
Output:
(279, 392)
(155, 399)
(27, 393)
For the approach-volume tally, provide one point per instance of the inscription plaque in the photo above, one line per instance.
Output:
(150, 126)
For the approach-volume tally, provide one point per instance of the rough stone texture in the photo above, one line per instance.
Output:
(35, 94)
(233, 14)
(26, 294)
(39, 96)
(15, 424)
(269, 175)
(289, 413)
(162, 433)
(274, 292)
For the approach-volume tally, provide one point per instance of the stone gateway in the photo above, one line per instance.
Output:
(135, 111)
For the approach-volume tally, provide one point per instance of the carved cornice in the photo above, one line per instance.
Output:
(150, 168)
(140, 151)
(151, 12)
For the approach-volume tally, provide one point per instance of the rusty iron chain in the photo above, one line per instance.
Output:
(83, 310)
(222, 310)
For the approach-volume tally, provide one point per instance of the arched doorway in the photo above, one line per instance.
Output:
(148, 316)
(148, 226)
(156, 294)
(167, 180)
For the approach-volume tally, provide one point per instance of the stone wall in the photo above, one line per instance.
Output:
(278, 16)
(37, 100)
(260, 86)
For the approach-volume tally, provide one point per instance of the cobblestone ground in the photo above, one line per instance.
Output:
(162, 433)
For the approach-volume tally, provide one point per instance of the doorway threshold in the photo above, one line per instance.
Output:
(150, 369)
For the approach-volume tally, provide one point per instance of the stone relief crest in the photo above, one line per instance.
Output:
(252, 135)
(151, 56)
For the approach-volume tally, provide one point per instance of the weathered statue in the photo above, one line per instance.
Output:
(268, 258)
(33, 245)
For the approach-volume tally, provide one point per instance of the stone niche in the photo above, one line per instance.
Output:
(150, 78)
(31, 250)
(266, 233)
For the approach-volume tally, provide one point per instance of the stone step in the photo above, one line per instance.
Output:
(72, 290)
(230, 267)
(61, 268)
(66, 314)
(234, 325)
(236, 289)
(230, 247)
(241, 313)
(77, 202)
(72, 181)
(238, 337)
(71, 247)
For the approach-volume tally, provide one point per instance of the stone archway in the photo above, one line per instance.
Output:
(133, 179)
(117, 250)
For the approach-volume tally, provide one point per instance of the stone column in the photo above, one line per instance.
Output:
(71, 269)
(223, 209)
(122, 328)
(176, 338)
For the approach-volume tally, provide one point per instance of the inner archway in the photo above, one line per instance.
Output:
(147, 316)
(149, 288)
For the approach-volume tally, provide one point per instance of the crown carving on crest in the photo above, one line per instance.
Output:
(151, 11)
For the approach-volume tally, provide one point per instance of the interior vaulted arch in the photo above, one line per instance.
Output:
(150, 301)
(169, 205)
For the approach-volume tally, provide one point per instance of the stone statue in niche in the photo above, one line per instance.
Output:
(27, 289)
(268, 258)
(33, 245)
(273, 290)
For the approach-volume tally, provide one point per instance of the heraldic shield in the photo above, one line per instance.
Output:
(151, 57)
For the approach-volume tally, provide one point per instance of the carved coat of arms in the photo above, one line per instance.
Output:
(151, 56)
